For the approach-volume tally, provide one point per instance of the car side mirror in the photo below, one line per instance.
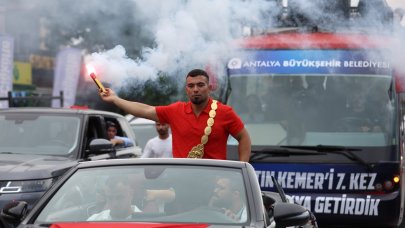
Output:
(101, 146)
(14, 211)
(288, 214)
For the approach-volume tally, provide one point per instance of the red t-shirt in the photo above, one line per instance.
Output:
(187, 129)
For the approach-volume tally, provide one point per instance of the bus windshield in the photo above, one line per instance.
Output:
(313, 109)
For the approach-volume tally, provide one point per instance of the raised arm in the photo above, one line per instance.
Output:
(135, 108)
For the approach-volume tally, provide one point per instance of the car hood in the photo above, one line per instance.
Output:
(25, 167)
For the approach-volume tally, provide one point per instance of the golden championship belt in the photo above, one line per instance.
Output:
(198, 151)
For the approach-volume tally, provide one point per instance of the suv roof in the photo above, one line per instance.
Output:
(60, 110)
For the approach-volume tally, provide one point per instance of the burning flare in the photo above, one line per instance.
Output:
(92, 74)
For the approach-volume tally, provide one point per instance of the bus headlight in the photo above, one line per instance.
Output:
(396, 179)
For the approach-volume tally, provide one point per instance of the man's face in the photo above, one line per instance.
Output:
(197, 89)
(222, 196)
(359, 103)
(111, 132)
(162, 129)
(119, 200)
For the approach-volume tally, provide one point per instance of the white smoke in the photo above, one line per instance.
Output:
(190, 34)
(187, 35)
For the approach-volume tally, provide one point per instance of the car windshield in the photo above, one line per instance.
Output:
(28, 133)
(158, 194)
(331, 109)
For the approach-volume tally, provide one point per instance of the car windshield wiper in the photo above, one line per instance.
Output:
(342, 150)
(279, 190)
(281, 152)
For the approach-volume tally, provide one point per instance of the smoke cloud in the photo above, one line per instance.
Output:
(191, 34)
(186, 35)
(171, 36)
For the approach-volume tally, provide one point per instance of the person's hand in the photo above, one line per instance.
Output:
(230, 214)
(365, 129)
(116, 141)
(149, 195)
(108, 95)
(165, 195)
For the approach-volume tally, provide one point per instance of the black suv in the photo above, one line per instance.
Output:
(38, 145)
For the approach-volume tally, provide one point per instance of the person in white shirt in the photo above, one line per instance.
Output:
(119, 196)
(161, 145)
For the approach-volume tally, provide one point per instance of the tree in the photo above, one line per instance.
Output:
(93, 25)
(159, 91)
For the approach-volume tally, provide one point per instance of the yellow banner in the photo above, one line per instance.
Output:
(22, 73)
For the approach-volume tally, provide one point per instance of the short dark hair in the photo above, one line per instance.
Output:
(197, 72)
(111, 124)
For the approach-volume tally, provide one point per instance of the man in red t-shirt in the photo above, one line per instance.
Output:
(200, 127)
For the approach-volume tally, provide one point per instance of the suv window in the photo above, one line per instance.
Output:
(123, 130)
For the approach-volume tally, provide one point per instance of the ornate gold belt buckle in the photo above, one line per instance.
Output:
(196, 151)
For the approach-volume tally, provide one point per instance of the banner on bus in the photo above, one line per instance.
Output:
(326, 189)
(309, 62)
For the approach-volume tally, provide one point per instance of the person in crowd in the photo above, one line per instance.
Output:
(119, 196)
(229, 195)
(200, 127)
(161, 145)
(308, 102)
(359, 118)
(117, 141)
(398, 15)
(398, 26)
(276, 99)
(254, 112)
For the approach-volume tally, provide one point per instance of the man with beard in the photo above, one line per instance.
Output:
(161, 145)
(229, 196)
(200, 127)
